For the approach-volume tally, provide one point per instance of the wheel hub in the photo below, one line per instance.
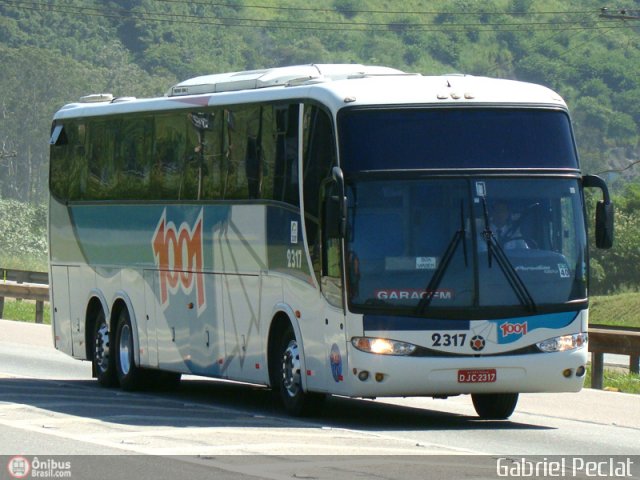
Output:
(291, 369)
(102, 347)
(125, 341)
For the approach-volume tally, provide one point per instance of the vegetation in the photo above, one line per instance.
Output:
(616, 270)
(24, 311)
(622, 310)
(617, 380)
(54, 52)
(23, 236)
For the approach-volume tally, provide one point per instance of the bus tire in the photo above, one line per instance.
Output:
(494, 406)
(130, 376)
(104, 365)
(288, 381)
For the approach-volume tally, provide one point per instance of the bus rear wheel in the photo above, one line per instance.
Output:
(104, 365)
(494, 406)
(288, 381)
(129, 375)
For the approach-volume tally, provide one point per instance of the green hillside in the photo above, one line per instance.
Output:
(54, 51)
(622, 310)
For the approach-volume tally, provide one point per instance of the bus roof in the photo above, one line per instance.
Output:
(335, 85)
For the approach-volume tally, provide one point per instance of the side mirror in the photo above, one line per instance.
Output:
(335, 206)
(604, 224)
(334, 221)
(604, 212)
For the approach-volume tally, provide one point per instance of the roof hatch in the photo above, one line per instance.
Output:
(276, 77)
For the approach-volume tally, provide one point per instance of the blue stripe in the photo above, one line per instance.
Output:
(551, 321)
(390, 322)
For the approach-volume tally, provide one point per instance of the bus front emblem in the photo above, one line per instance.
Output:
(477, 343)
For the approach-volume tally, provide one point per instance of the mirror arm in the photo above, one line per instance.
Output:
(594, 181)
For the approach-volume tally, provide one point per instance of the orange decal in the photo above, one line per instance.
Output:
(178, 255)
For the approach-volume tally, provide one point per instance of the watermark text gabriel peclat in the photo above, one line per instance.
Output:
(564, 467)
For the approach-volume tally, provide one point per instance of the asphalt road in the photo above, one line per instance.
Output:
(49, 406)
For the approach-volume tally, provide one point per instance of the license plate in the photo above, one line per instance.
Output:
(477, 376)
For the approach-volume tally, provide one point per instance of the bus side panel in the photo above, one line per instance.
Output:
(336, 351)
(132, 288)
(206, 347)
(60, 311)
(240, 252)
(310, 306)
(150, 320)
(171, 326)
(180, 337)
(245, 357)
(81, 280)
(270, 300)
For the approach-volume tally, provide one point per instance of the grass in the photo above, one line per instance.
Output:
(622, 310)
(617, 380)
(30, 264)
(24, 311)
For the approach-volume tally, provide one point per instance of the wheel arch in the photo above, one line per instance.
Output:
(96, 302)
(284, 318)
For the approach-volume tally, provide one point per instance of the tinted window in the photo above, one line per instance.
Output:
(67, 174)
(455, 138)
(233, 153)
(319, 158)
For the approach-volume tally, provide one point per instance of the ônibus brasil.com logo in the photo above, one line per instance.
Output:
(21, 467)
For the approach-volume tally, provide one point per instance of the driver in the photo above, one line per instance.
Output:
(505, 229)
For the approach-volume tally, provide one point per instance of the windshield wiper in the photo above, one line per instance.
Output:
(494, 249)
(434, 283)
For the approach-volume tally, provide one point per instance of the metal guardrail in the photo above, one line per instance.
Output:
(617, 340)
(23, 276)
(24, 285)
(602, 338)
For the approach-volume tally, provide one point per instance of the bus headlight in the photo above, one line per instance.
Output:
(564, 343)
(382, 346)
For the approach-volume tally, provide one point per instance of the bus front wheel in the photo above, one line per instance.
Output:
(104, 365)
(288, 384)
(494, 406)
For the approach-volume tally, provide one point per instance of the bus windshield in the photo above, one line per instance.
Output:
(465, 246)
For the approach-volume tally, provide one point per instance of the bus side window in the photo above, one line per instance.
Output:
(68, 163)
(267, 146)
(242, 155)
(133, 159)
(102, 169)
(252, 166)
(209, 146)
(319, 158)
(285, 181)
(168, 156)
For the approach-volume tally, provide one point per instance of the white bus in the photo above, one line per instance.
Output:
(325, 229)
